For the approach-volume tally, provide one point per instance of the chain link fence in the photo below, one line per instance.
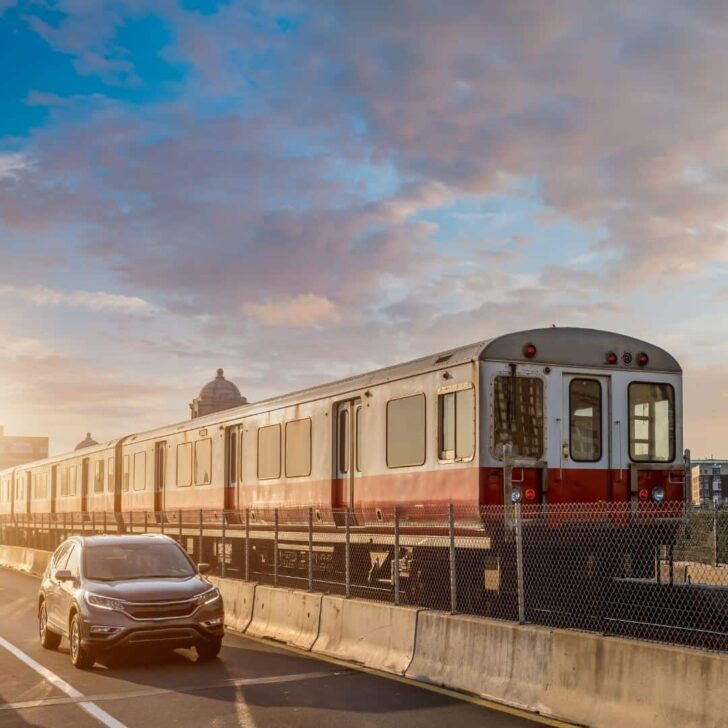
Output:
(645, 570)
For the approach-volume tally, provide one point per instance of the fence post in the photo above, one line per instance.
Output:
(395, 560)
(35, 532)
(179, 526)
(161, 521)
(453, 567)
(145, 522)
(104, 523)
(275, 551)
(519, 565)
(93, 522)
(715, 534)
(199, 560)
(247, 544)
(222, 565)
(347, 554)
(310, 549)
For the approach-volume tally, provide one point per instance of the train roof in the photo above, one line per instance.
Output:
(558, 346)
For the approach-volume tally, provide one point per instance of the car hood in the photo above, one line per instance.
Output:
(150, 590)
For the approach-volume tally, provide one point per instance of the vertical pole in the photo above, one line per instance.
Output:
(93, 522)
(395, 559)
(519, 566)
(179, 526)
(222, 565)
(715, 534)
(145, 522)
(453, 568)
(310, 549)
(275, 551)
(199, 559)
(35, 532)
(347, 554)
(104, 523)
(247, 544)
(161, 521)
(63, 533)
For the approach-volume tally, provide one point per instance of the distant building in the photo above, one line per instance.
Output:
(709, 482)
(88, 441)
(217, 395)
(17, 450)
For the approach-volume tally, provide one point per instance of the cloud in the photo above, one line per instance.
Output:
(94, 300)
(308, 309)
(12, 164)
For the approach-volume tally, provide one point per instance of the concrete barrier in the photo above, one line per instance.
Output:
(31, 561)
(286, 615)
(238, 598)
(576, 676)
(380, 636)
(497, 660)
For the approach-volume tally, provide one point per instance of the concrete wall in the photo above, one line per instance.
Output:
(238, 598)
(381, 636)
(577, 676)
(286, 615)
(31, 561)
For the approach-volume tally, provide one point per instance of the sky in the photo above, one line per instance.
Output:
(299, 191)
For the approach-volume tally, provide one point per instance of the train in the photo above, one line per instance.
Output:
(541, 418)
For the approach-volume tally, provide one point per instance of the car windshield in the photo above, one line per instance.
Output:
(136, 561)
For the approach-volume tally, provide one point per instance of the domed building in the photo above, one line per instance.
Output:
(217, 395)
(88, 441)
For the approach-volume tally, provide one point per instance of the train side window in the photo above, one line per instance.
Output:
(72, 480)
(456, 412)
(184, 464)
(140, 471)
(125, 475)
(99, 476)
(518, 416)
(298, 448)
(110, 484)
(64, 482)
(585, 420)
(651, 422)
(406, 439)
(203, 461)
(269, 452)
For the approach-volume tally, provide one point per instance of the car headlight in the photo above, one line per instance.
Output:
(658, 494)
(208, 597)
(113, 605)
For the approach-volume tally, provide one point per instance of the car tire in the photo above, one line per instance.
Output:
(79, 656)
(49, 639)
(208, 650)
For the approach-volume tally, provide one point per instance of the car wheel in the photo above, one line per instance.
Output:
(48, 639)
(79, 657)
(209, 650)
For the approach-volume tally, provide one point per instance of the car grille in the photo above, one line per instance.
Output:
(160, 610)
(161, 635)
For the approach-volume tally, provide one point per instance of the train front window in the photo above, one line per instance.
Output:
(651, 422)
(585, 420)
(518, 415)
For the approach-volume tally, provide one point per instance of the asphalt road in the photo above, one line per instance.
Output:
(253, 685)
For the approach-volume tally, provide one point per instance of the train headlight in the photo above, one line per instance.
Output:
(515, 494)
(658, 494)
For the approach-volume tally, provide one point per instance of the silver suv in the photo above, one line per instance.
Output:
(105, 592)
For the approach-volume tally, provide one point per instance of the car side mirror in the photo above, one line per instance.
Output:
(63, 575)
(203, 568)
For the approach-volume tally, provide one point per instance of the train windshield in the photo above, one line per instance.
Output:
(518, 415)
(651, 422)
(136, 561)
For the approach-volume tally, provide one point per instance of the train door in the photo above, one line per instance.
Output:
(347, 452)
(54, 487)
(233, 477)
(84, 485)
(586, 438)
(28, 490)
(160, 475)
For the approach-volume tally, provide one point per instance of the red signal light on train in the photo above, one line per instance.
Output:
(612, 358)
(644, 495)
(642, 358)
(530, 493)
(529, 351)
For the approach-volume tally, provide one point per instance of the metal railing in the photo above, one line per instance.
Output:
(653, 571)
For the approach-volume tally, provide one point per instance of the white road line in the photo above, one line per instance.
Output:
(91, 708)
